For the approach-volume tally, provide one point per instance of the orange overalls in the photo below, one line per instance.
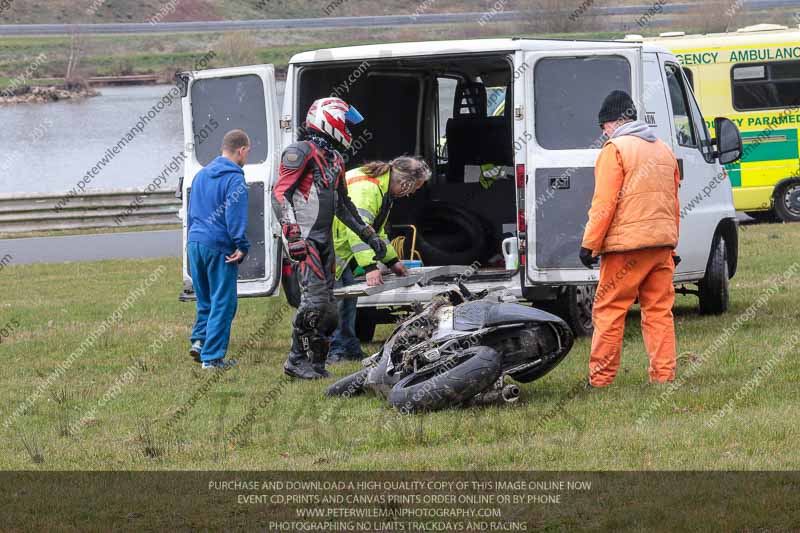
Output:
(633, 224)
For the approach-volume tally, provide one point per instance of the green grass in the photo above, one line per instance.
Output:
(555, 426)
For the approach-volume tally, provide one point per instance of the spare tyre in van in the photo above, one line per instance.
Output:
(450, 235)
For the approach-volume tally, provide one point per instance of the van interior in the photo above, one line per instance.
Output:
(456, 113)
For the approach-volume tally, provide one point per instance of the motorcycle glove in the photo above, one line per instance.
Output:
(298, 250)
(374, 241)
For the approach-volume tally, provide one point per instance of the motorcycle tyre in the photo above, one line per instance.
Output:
(478, 368)
(354, 383)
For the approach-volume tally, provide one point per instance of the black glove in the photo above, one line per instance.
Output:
(294, 239)
(676, 259)
(586, 258)
(374, 241)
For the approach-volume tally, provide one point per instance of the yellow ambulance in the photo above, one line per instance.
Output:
(751, 76)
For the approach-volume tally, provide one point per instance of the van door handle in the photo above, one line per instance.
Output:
(680, 168)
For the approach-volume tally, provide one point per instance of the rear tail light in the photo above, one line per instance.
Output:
(522, 223)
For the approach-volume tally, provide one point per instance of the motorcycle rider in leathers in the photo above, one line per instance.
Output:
(311, 189)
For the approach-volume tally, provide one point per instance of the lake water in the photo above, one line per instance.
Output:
(50, 147)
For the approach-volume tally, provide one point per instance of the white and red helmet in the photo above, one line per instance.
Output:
(330, 116)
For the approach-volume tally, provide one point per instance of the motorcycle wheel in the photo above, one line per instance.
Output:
(545, 346)
(348, 386)
(469, 373)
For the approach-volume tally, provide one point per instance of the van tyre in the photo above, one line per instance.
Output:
(787, 201)
(450, 235)
(714, 293)
(574, 305)
(465, 375)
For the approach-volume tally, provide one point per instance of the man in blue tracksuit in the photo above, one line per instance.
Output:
(217, 220)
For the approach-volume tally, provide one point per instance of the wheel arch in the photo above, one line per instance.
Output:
(780, 184)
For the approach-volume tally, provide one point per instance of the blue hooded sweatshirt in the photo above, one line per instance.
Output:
(217, 215)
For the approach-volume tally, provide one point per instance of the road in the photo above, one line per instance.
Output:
(366, 22)
(133, 245)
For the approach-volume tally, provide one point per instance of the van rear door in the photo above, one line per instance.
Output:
(215, 102)
(563, 140)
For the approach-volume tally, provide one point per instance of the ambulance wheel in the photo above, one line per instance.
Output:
(787, 201)
(714, 294)
(365, 325)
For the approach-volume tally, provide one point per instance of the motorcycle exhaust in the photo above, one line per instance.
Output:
(507, 394)
(510, 393)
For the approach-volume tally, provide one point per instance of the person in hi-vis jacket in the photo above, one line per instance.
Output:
(373, 188)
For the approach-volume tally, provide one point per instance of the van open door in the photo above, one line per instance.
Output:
(215, 102)
(561, 122)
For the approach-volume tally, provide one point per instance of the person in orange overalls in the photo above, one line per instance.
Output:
(633, 225)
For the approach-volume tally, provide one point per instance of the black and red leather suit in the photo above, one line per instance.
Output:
(311, 189)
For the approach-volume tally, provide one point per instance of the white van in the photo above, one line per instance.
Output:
(430, 99)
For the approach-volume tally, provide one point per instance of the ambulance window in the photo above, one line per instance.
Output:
(684, 130)
(766, 86)
(234, 102)
(569, 93)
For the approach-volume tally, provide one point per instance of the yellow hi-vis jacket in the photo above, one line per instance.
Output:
(367, 193)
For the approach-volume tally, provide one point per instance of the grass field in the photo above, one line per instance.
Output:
(131, 398)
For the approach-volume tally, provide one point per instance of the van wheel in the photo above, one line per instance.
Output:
(365, 325)
(579, 307)
(574, 305)
(714, 294)
(787, 201)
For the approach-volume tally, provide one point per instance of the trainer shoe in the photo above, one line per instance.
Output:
(218, 364)
(194, 351)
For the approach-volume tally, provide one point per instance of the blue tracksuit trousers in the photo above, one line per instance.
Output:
(214, 283)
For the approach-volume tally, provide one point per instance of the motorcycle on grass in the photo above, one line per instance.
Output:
(459, 349)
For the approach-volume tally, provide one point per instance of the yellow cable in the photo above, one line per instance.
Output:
(398, 243)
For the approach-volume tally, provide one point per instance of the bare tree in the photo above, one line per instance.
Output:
(71, 78)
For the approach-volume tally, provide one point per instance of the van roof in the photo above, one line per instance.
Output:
(466, 46)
